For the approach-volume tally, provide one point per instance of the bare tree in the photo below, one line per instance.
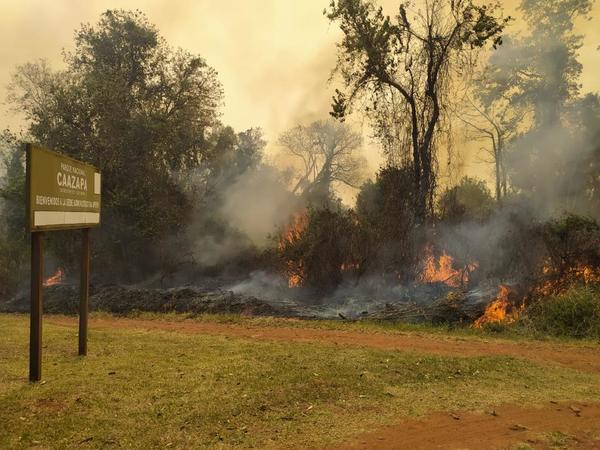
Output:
(405, 66)
(326, 153)
(498, 122)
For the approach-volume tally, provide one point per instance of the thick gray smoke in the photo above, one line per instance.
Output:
(232, 220)
(257, 204)
(553, 160)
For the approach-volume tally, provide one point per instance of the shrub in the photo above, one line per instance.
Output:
(575, 313)
(469, 200)
(572, 241)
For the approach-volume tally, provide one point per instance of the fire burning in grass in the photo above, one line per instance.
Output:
(57, 278)
(503, 310)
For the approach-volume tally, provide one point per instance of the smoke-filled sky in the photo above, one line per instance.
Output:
(274, 57)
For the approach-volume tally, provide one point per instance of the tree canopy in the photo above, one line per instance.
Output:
(405, 67)
(134, 107)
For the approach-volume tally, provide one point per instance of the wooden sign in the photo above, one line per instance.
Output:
(62, 193)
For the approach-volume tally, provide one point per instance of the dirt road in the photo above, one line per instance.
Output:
(505, 427)
(576, 357)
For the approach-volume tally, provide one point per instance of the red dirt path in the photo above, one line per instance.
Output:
(572, 356)
(510, 426)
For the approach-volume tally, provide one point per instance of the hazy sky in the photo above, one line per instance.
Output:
(274, 57)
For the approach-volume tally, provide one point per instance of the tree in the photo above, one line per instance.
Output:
(407, 65)
(327, 153)
(230, 154)
(495, 120)
(13, 235)
(538, 73)
(319, 252)
(139, 110)
(386, 209)
(541, 69)
(586, 168)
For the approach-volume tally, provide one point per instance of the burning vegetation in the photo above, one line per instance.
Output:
(292, 233)
(442, 270)
(58, 277)
(500, 310)
(200, 205)
(328, 254)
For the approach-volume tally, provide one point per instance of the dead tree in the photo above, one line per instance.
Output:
(326, 152)
(497, 122)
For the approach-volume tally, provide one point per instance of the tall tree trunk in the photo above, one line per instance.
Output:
(498, 183)
(496, 150)
(501, 175)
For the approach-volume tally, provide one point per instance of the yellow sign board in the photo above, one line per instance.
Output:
(62, 193)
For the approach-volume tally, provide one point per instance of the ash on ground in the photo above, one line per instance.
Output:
(258, 296)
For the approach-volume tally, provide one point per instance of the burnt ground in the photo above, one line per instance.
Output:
(64, 299)
(432, 302)
(504, 427)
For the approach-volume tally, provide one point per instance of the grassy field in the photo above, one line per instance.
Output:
(140, 389)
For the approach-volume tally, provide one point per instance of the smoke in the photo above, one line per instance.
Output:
(497, 245)
(263, 285)
(552, 162)
(233, 220)
(257, 204)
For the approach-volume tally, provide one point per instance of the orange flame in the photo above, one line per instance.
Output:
(294, 230)
(294, 280)
(57, 278)
(557, 281)
(345, 267)
(443, 271)
(292, 233)
(499, 310)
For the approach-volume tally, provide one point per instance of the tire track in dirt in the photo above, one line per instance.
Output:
(583, 358)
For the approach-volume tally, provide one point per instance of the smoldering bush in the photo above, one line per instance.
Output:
(572, 240)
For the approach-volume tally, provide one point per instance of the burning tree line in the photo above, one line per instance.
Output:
(187, 198)
(508, 259)
(403, 72)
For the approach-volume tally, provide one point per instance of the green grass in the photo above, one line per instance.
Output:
(574, 313)
(142, 389)
(559, 440)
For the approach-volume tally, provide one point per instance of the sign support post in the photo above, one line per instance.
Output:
(84, 291)
(35, 332)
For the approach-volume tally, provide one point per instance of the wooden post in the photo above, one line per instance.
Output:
(84, 291)
(35, 330)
